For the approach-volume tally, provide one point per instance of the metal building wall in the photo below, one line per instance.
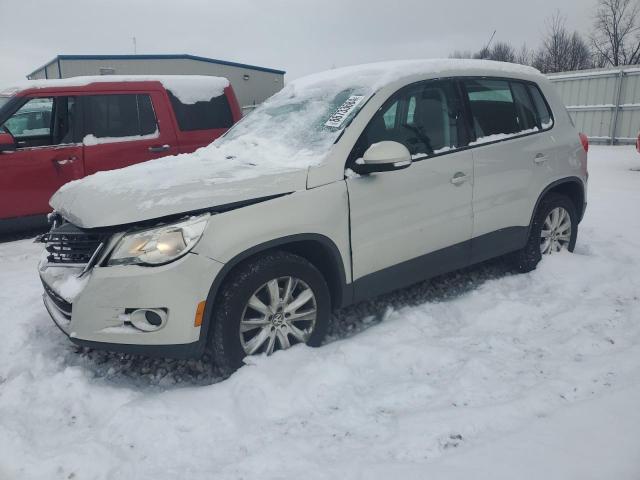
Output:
(252, 86)
(604, 103)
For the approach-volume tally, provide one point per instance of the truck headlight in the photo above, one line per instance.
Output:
(159, 245)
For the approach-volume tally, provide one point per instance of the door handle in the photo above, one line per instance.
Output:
(458, 179)
(64, 161)
(159, 148)
(539, 159)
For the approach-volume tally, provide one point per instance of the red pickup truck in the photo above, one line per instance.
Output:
(55, 131)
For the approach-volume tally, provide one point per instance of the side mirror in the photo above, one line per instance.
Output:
(383, 157)
(7, 142)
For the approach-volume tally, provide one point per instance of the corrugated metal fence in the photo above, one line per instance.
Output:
(604, 103)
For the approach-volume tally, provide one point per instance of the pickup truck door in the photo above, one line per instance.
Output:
(122, 129)
(47, 155)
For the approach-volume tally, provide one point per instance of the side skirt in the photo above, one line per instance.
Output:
(442, 261)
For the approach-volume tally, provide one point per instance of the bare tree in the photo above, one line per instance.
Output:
(561, 50)
(524, 55)
(616, 39)
(461, 54)
(502, 52)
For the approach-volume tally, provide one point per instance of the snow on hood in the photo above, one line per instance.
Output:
(289, 132)
(189, 89)
(87, 207)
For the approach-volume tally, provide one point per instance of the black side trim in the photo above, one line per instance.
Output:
(346, 289)
(181, 350)
(412, 271)
(500, 242)
(442, 261)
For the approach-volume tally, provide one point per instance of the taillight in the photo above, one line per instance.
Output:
(638, 143)
(585, 141)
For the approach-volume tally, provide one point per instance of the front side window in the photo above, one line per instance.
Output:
(43, 122)
(119, 116)
(33, 119)
(214, 114)
(426, 118)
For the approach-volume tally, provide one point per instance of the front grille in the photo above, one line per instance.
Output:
(64, 306)
(70, 245)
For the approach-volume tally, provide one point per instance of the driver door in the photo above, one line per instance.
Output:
(411, 224)
(47, 156)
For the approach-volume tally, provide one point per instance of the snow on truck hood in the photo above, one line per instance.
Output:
(267, 153)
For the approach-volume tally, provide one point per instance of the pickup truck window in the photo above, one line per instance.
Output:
(43, 122)
(118, 116)
(32, 120)
(210, 115)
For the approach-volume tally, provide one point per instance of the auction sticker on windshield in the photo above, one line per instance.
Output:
(343, 111)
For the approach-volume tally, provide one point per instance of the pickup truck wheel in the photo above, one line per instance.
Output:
(554, 228)
(269, 303)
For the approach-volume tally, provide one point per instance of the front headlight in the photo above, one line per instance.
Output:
(159, 245)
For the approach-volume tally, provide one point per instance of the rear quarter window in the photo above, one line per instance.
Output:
(214, 114)
(544, 115)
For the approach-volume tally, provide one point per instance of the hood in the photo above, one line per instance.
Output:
(136, 194)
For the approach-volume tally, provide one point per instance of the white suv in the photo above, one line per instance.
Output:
(344, 185)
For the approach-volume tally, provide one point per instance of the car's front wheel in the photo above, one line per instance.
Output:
(554, 228)
(269, 303)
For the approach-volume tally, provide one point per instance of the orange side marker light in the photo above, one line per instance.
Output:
(199, 314)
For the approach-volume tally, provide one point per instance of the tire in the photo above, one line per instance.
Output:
(253, 278)
(528, 258)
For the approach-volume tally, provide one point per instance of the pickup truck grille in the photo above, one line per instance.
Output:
(70, 245)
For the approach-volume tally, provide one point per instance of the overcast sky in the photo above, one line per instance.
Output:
(299, 36)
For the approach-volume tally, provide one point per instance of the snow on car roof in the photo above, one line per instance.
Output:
(188, 89)
(376, 75)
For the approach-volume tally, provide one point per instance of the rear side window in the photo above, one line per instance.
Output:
(545, 119)
(216, 113)
(493, 109)
(118, 116)
(505, 108)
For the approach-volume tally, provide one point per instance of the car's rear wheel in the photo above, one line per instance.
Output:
(554, 228)
(269, 303)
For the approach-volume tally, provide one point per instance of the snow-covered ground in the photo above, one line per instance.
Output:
(480, 374)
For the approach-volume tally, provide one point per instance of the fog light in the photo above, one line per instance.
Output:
(148, 319)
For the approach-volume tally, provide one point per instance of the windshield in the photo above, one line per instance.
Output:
(295, 128)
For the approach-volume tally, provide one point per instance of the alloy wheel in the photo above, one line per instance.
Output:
(556, 231)
(281, 313)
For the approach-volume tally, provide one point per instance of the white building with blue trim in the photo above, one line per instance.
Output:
(252, 84)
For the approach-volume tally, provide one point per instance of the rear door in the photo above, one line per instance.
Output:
(511, 156)
(48, 155)
(121, 129)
